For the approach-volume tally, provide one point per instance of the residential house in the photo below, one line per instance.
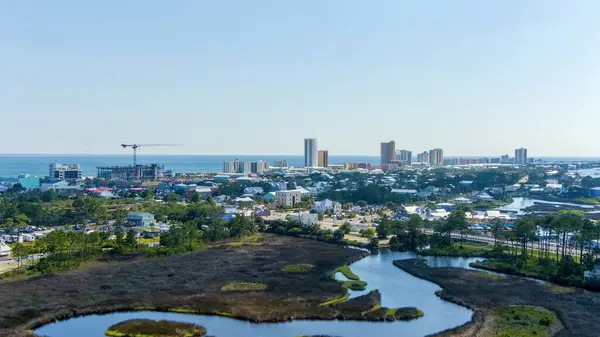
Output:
(305, 218)
(221, 198)
(278, 185)
(59, 185)
(204, 191)
(4, 250)
(140, 218)
(28, 182)
(288, 197)
(222, 178)
(462, 200)
(484, 197)
(253, 190)
(437, 214)
(449, 207)
(404, 191)
(411, 209)
(304, 192)
(431, 189)
(512, 188)
(245, 199)
(492, 214)
(323, 206)
(553, 188)
(270, 197)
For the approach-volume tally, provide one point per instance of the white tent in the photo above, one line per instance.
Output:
(4, 250)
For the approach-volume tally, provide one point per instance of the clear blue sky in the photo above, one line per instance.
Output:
(256, 77)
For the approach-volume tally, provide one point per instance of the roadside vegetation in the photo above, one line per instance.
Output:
(466, 249)
(550, 248)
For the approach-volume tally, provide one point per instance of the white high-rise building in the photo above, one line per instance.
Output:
(65, 172)
(246, 167)
(231, 166)
(404, 156)
(310, 152)
(436, 157)
(521, 156)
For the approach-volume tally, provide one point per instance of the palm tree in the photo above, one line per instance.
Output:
(497, 227)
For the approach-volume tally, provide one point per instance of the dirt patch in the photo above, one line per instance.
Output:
(578, 309)
(190, 282)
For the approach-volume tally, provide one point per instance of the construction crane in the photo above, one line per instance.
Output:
(137, 146)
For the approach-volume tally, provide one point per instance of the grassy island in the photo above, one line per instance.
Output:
(244, 286)
(368, 307)
(355, 285)
(297, 268)
(151, 328)
(345, 270)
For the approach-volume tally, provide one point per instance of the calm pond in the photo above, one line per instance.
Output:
(519, 204)
(398, 289)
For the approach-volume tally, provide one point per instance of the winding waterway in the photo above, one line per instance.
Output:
(398, 289)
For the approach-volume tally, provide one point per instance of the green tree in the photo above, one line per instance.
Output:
(497, 226)
(119, 215)
(172, 197)
(525, 232)
(374, 243)
(20, 252)
(338, 235)
(367, 232)
(119, 235)
(131, 238)
(346, 227)
(49, 195)
(196, 197)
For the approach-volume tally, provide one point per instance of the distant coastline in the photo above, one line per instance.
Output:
(37, 164)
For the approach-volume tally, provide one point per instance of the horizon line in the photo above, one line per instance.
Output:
(261, 154)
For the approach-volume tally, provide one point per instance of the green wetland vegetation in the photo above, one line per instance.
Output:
(297, 268)
(244, 286)
(522, 321)
(346, 271)
(505, 306)
(152, 328)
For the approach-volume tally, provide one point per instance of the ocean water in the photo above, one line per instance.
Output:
(37, 165)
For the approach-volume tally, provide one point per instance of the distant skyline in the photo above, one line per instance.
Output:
(475, 78)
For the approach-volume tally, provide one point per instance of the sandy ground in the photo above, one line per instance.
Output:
(7, 265)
